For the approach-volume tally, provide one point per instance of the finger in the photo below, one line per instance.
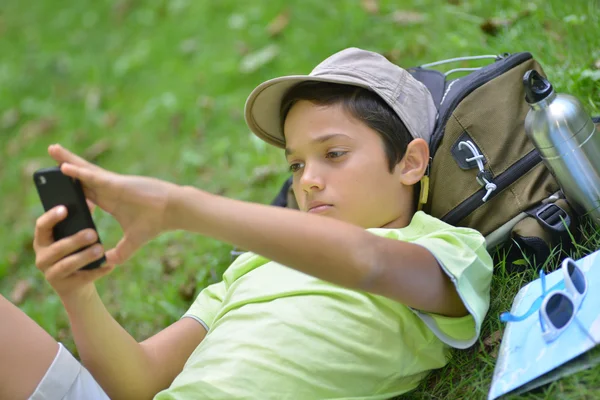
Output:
(52, 254)
(111, 257)
(90, 178)
(73, 263)
(43, 235)
(123, 251)
(81, 277)
(62, 155)
(84, 174)
(90, 205)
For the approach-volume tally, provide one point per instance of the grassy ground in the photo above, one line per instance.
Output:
(157, 88)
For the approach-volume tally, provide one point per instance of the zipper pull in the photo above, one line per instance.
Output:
(484, 178)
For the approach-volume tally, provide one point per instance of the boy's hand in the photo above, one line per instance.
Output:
(139, 204)
(57, 261)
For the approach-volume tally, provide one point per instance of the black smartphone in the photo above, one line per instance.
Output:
(54, 189)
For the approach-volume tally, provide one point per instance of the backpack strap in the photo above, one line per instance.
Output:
(282, 198)
(433, 80)
(552, 217)
(545, 226)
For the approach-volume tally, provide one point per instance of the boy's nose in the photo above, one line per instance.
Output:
(310, 181)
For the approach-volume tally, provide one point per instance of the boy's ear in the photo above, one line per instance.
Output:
(414, 163)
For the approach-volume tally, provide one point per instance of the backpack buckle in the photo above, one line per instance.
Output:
(551, 217)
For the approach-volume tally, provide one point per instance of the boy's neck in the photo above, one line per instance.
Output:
(400, 222)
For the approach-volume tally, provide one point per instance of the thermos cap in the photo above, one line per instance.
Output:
(537, 88)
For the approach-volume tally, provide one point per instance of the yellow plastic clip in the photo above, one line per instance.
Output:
(424, 194)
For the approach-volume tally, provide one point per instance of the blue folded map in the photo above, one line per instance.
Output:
(525, 360)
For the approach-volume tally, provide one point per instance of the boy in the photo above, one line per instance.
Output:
(356, 296)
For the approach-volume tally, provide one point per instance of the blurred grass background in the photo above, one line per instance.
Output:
(158, 87)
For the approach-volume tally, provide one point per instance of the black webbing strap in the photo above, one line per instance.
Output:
(551, 217)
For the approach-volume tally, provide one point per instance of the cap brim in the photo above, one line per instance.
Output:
(263, 107)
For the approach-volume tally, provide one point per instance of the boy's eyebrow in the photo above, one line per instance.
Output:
(321, 139)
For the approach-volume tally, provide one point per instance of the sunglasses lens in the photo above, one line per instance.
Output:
(576, 277)
(559, 309)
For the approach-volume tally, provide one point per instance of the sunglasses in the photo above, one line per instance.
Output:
(557, 306)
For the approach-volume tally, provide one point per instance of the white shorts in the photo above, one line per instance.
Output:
(67, 379)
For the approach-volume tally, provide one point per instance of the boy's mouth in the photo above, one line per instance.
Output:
(318, 207)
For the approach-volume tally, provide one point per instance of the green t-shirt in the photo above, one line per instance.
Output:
(276, 333)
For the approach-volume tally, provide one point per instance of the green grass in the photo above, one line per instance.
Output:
(158, 87)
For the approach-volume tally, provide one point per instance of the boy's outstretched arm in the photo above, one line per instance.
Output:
(329, 249)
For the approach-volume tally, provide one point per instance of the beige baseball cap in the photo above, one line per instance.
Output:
(408, 97)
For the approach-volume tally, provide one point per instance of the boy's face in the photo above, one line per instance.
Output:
(340, 169)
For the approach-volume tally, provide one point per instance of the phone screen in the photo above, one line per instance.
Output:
(54, 189)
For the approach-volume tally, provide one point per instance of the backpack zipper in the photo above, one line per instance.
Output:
(502, 181)
(510, 63)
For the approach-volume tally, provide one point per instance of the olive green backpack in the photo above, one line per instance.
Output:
(484, 171)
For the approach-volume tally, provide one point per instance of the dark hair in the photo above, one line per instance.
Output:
(362, 104)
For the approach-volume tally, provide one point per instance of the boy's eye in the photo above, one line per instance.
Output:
(335, 154)
(295, 167)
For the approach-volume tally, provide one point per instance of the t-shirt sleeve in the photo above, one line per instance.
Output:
(462, 254)
(207, 304)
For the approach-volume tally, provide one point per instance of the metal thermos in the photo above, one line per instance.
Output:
(568, 142)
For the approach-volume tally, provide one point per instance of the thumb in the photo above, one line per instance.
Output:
(123, 251)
